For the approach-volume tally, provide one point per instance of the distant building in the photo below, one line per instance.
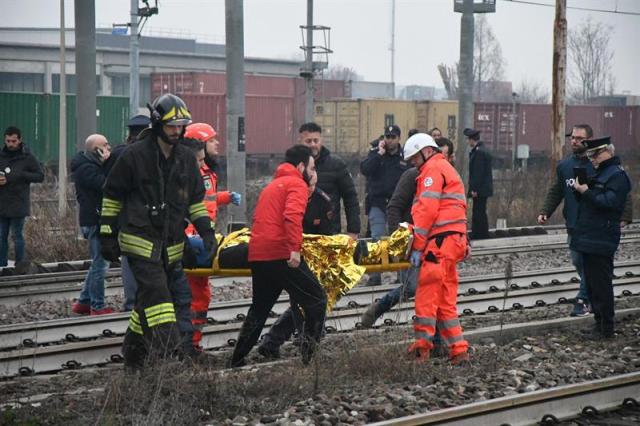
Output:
(417, 93)
(615, 100)
(492, 91)
(369, 90)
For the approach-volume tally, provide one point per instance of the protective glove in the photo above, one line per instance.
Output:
(236, 198)
(416, 258)
(109, 248)
(210, 244)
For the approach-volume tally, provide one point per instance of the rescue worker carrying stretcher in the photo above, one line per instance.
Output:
(200, 289)
(153, 187)
(440, 242)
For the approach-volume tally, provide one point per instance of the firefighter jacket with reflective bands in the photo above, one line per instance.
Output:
(440, 204)
(146, 200)
(212, 198)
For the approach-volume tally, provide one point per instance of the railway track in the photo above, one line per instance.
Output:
(547, 406)
(18, 289)
(102, 345)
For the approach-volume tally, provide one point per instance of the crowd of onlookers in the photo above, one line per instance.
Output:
(133, 201)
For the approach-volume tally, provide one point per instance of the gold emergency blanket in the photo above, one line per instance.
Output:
(396, 245)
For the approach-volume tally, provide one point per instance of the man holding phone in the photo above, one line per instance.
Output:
(575, 165)
(89, 175)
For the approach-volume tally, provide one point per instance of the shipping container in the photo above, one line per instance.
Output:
(216, 83)
(443, 115)
(37, 116)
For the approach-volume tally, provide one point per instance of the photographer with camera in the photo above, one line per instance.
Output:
(88, 174)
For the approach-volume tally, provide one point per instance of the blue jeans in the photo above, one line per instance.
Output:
(576, 260)
(93, 288)
(129, 284)
(403, 292)
(378, 227)
(181, 294)
(15, 224)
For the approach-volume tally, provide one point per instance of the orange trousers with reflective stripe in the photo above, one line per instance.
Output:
(437, 294)
(200, 299)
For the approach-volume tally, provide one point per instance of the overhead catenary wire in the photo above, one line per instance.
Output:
(586, 9)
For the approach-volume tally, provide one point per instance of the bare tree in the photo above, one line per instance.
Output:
(532, 93)
(340, 72)
(488, 62)
(449, 75)
(590, 57)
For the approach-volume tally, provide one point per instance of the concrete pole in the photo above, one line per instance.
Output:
(558, 100)
(465, 88)
(514, 122)
(308, 109)
(393, 46)
(134, 61)
(236, 156)
(85, 22)
(62, 140)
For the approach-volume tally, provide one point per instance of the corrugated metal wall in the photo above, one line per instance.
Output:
(37, 116)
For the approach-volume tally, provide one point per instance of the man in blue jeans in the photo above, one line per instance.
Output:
(89, 175)
(383, 167)
(18, 170)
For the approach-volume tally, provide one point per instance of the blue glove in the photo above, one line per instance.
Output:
(416, 258)
(236, 198)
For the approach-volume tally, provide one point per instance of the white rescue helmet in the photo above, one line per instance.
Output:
(415, 143)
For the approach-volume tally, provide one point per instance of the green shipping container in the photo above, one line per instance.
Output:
(37, 116)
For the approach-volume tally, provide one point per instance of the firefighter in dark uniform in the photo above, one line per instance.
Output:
(154, 186)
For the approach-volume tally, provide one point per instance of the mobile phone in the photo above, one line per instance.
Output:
(581, 174)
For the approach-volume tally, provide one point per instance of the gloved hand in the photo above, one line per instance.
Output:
(236, 198)
(210, 244)
(416, 258)
(109, 248)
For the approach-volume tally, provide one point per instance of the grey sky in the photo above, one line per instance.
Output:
(427, 32)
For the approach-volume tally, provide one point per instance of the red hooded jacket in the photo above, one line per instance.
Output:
(277, 219)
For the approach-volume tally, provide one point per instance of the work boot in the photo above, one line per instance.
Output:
(418, 353)
(580, 309)
(269, 353)
(370, 316)
(460, 359)
(81, 308)
(103, 311)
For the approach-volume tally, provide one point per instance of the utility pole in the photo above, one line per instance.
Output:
(393, 46)
(236, 156)
(558, 100)
(85, 22)
(134, 61)
(514, 126)
(62, 140)
(465, 89)
(308, 74)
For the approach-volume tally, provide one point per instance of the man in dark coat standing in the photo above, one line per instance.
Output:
(18, 170)
(89, 175)
(597, 232)
(480, 183)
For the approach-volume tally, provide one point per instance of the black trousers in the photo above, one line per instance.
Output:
(479, 219)
(598, 276)
(269, 278)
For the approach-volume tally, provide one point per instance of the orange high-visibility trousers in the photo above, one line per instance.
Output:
(437, 294)
(200, 299)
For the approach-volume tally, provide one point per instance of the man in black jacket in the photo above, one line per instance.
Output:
(383, 167)
(88, 174)
(480, 183)
(18, 170)
(153, 187)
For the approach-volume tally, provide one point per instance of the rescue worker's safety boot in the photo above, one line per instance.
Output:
(418, 353)
(460, 359)
(370, 316)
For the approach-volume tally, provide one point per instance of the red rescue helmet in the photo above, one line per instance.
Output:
(200, 131)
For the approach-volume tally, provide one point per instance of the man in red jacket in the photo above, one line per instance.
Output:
(274, 256)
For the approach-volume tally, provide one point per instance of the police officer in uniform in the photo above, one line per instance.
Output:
(480, 183)
(153, 187)
(596, 236)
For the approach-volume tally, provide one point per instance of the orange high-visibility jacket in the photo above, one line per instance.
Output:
(440, 203)
(212, 198)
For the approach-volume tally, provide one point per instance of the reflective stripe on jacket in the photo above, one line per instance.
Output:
(440, 203)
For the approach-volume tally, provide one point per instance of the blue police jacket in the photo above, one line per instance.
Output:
(566, 176)
(597, 228)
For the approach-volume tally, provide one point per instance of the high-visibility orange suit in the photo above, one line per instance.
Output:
(440, 233)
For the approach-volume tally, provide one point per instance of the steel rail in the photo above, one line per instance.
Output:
(95, 352)
(545, 406)
(77, 328)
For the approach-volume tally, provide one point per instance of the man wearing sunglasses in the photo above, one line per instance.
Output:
(596, 235)
(383, 167)
(562, 189)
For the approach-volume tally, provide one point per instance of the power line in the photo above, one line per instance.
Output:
(576, 8)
